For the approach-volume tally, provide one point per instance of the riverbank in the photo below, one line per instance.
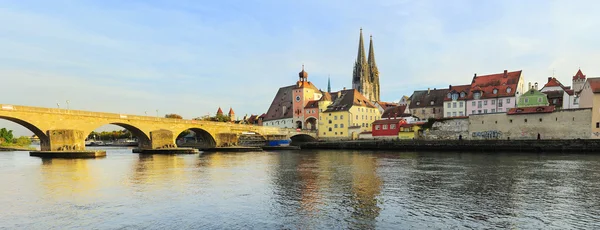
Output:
(579, 145)
(16, 148)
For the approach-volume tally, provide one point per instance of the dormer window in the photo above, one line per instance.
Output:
(418, 102)
(477, 95)
(432, 102)
(449, 95)
(455, 96)
(495, 91)
(462, 94)
(508, 89)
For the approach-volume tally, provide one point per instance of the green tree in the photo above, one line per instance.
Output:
(175, 116)
(6, 135)
(23, 141)
(221, 118)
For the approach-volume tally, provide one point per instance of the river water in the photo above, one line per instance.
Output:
(301, 190)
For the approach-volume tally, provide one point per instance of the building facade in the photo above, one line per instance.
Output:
(563, 97)
(494, 93)
(365, 76)
(532, 98)
(590, 98)
(425, 104)
(455, 103)
(344, 110)
(303, 93)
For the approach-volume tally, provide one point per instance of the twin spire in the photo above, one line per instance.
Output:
(366, 75)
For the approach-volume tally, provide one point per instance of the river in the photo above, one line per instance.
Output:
(301, 190)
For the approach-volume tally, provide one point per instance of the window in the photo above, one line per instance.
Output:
(342, 133)
(526, 100)
(329, 121)
(540, 119)
(335, 126)
(493, 101)
(447, 114)
(495, 91)
(454, 114)
(423, 111)
(482, 122)
(525, 120)
(508, 100)
(460, 104)
(462, 94)
(393, 126)
(460, 113)
(508, 90)
(341, 125)
(356, 117)
(341, 117)
(479, 111)
(476, 95)
(473, 103)
(493, 110)
(377, 127)
(385, 127)
(335, 133)
(449, 95)
(479, 104)
(485, 111)
(510, 120)
(448, 104)
(485, 102)
(499, 102)
(433, 110)
(432, 102)
(597, 124)
(453, 104)
(540, 100)
(334, 117)
(472, 111)
(329, 129)
(418, 102)
(499, 109)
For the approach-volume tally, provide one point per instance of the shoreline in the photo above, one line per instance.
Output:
(15, 148)
(538, 146)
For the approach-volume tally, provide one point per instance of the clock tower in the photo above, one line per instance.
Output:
(303, 93)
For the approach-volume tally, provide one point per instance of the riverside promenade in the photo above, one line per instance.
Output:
(556, 146)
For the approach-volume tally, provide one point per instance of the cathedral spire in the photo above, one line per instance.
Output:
(360, 75)
(328, 84)
(373, 72)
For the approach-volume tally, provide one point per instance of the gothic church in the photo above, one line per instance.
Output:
(365, 77)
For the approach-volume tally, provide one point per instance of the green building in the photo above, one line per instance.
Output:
(532, 98)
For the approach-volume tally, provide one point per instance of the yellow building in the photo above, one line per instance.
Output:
(339, 111)
(590, 98)
(408, 131)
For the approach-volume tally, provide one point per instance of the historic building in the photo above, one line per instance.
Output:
(590, 98)
(455, 103)
(426, 104)
(345, 110)
(288, 107)
(532, 98)
(382, 106)
(395, 122)
(311, 114)
(231, 114)
(494, 93)
(365, 77)
(564, 97)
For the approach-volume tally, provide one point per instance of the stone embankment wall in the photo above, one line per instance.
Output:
(578, 145)
(449, 129)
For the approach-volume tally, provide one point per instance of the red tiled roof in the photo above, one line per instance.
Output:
(306, 84)
(388, 121)
(312, 104)
(231, 111)
(407, 125)
(219, 111)
(347, 99)
(535, 109)
(552, 81)
(500, 81)
(579, 75)
(594, 84)
(397, 111)
(458, 89)
(570, 92)
(386, 105)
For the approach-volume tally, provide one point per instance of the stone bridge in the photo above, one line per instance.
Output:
(63, 129)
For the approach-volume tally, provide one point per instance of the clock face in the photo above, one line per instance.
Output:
(298, 98)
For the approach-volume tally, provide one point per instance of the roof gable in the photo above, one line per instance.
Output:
(343, 100)
(281, 107)
(495, 85)
(428, 98)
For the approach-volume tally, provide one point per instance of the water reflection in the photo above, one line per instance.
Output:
(302, 190)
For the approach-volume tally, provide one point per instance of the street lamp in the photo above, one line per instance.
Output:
(58, 105)
(68, 104)
(146, 112)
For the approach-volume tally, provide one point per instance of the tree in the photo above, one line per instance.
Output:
(23, 141)
(175, 116)
(6, 135)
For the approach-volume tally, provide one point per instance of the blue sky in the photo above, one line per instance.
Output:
(190, 57)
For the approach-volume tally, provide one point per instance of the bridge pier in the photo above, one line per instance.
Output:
(65, 143)
(162, 142)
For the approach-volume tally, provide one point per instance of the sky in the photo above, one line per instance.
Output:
(191, 57)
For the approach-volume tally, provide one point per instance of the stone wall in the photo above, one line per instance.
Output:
(162, 139)
(65, 140)
(448, 129)
(562, 124)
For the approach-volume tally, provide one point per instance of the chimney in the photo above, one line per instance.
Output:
(475, 75)
(449, 87)
(505, 73)
(549, 79)
(536, 86)
(344, 88)
(428, 91)
(529, 86)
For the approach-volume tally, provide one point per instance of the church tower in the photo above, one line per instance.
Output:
(360, 75)
(373, 73)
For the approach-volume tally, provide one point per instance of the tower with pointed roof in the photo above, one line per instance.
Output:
(219, 111)
(373, 72)
(365, 76)
(231, 114)
(578, 81)
(360, 75)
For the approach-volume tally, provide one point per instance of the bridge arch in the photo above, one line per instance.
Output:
(31, 127)
(143, 138)
(202, 139)
(301, 137)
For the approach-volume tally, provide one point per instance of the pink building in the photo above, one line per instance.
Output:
(495, 93)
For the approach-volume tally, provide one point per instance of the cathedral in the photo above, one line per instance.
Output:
(365, 77)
